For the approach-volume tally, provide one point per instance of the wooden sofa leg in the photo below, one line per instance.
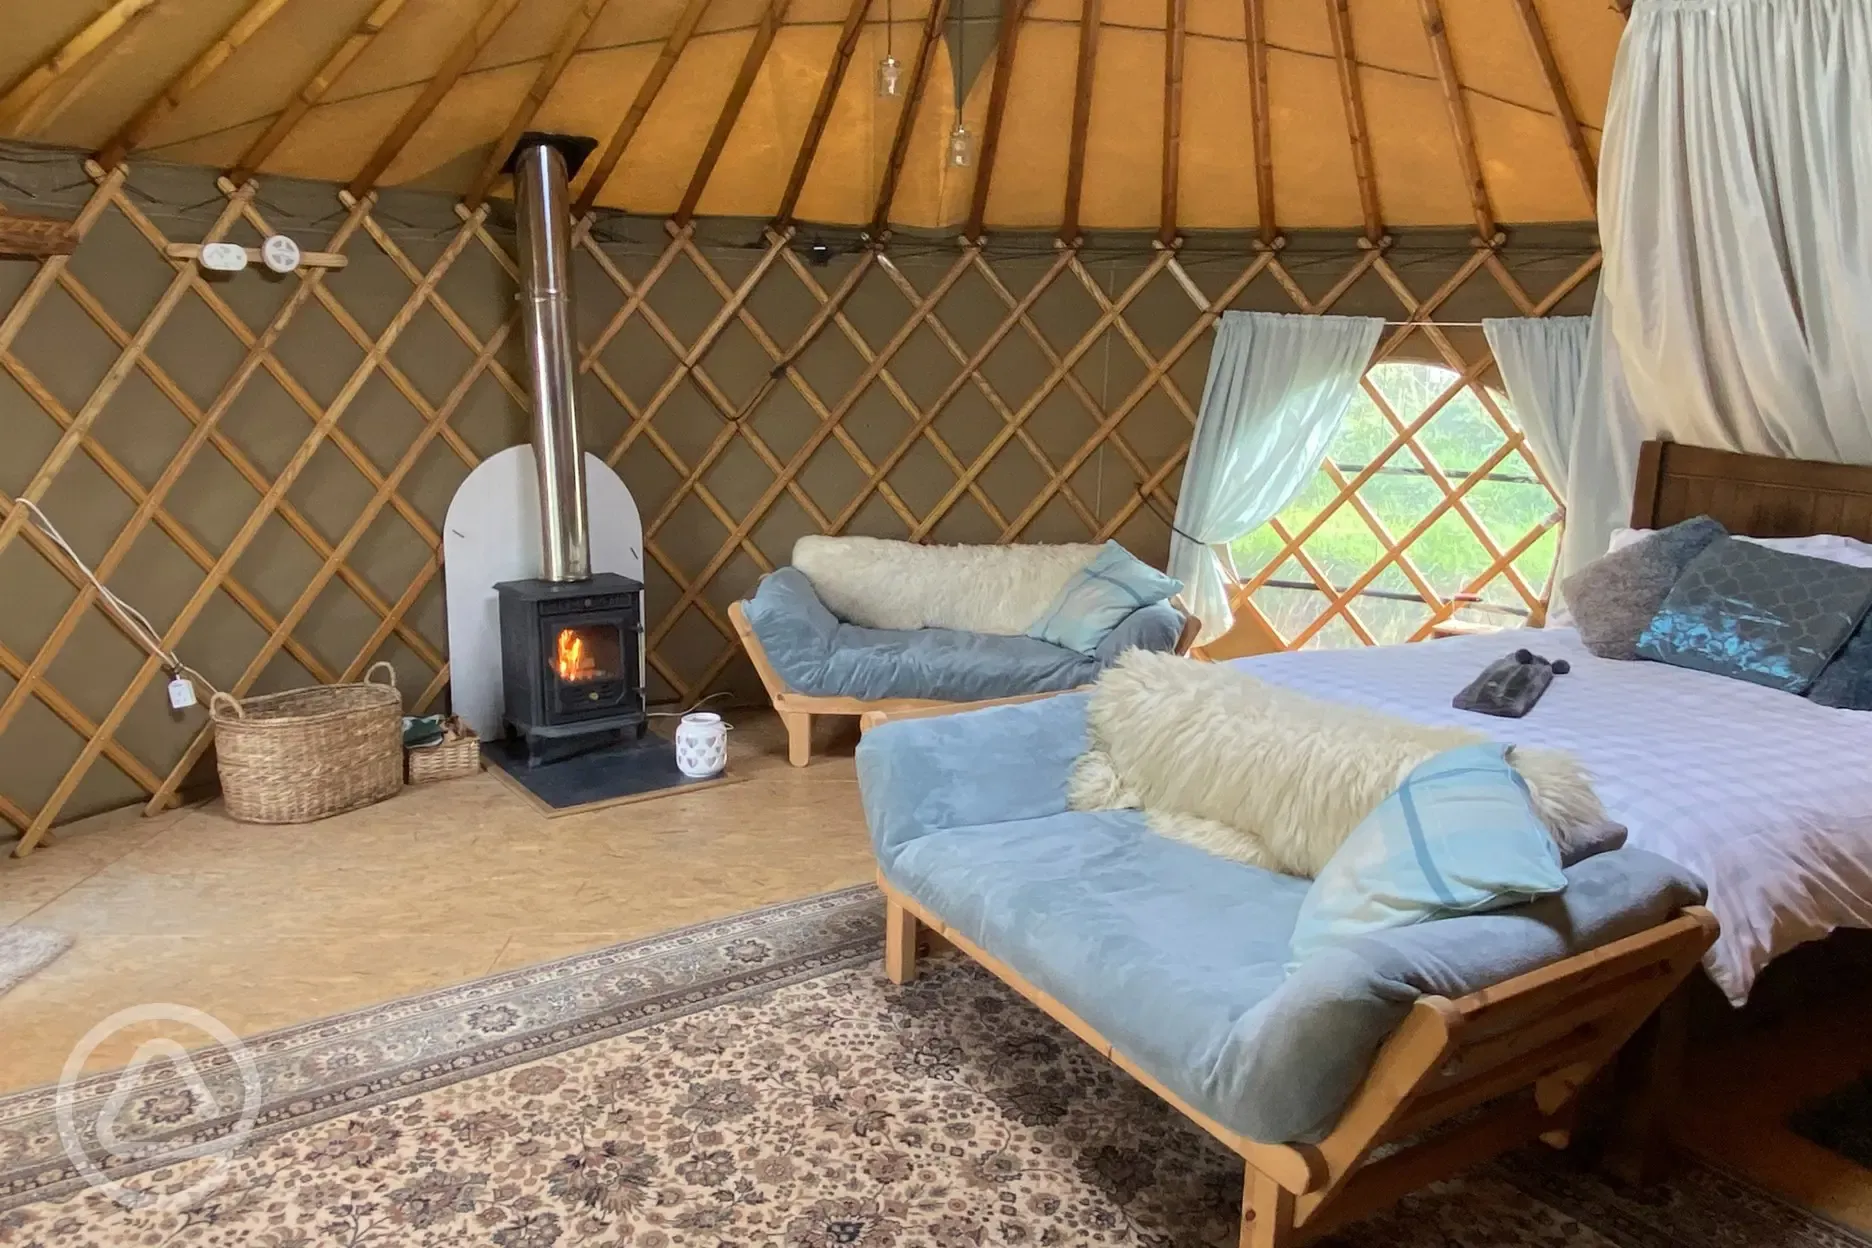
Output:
(1267, 1213)
(798, 737)
(900, 942)
(1647, 1078)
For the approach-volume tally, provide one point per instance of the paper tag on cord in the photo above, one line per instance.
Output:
(181, 693)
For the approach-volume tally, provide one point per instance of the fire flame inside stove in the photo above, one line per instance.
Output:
(574, 660)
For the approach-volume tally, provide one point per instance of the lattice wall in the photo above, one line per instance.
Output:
(262, 464)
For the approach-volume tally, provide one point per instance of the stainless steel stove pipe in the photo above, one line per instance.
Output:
(545, 224)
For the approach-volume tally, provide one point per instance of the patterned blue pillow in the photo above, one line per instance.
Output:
(1766, 616)
(1100, 597)
(1459, 836)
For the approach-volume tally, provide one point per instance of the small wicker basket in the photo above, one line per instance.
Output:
(304, 754)
(457, 754)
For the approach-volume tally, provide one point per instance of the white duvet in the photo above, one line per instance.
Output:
(1765, 795)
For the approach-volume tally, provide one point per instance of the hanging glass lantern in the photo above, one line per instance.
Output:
(889, 77)
(961, 147)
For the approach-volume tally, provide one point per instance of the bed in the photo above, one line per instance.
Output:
(1766, 796)
(1761, 794)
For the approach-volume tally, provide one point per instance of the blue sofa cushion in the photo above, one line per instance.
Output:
(817, 653)
(1458, 836)
(1099, 597)
(1175, 956)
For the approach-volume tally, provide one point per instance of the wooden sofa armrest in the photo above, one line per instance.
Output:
(871, 719)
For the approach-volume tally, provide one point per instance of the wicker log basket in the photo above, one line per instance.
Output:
(304, 754)
(457, 754)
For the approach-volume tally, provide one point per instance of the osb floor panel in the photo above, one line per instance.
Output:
(1741, 1093)
(264, 927)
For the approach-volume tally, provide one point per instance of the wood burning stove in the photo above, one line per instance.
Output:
(572, 644)
(572, 663)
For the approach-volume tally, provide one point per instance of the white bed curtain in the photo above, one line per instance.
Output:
(1278, 389)
(1735, 209)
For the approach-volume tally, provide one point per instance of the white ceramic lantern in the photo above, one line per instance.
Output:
(701, 745)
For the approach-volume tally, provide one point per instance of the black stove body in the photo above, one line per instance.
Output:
(572, 663)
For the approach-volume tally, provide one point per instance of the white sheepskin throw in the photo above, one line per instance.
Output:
(1263, 775)
(978, 589)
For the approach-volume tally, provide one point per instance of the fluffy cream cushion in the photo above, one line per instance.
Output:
(1270, 777)
(977, 589)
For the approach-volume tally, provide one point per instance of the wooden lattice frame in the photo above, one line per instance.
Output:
(778, 256)
(777, 261)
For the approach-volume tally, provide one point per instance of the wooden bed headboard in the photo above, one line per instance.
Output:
(1754, 495)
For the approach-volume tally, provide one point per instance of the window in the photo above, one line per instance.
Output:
(1426, 506)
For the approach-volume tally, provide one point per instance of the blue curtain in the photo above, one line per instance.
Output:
(1278, 390)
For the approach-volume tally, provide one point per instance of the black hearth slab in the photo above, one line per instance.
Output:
(631, 772)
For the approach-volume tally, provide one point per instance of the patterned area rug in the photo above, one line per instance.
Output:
(749, 1082)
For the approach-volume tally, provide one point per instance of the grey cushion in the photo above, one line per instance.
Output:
(1155, 627)
(1770, 617)
(1614, 597)
(1846, 682)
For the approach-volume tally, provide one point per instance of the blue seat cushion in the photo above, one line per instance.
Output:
(1164, 949)
(1458, 836)
(817, 653)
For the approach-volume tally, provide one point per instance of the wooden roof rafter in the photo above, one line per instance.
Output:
(1085, 68)
(1461, 128)
(308, 96)
(1254, 16)
(1009, 36)
(453, 66)
(731, 108)
(1583, 162)
(30, 87)
(1352, 95)
(215, 55)
(1176, 14)
(906, 120)
(564, 47)
(822, 112)
(647, 92)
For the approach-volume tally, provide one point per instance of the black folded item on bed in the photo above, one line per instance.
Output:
(1509, 687)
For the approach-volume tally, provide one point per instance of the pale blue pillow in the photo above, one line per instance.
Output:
(1100, 597)
(1459, 836)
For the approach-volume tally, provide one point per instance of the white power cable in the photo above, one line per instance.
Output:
(135, 623)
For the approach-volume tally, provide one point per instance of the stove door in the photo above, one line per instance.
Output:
(588, 666)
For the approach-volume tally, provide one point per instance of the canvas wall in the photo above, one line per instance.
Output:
(739, 409)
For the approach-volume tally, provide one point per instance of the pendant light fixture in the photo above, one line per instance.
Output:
(961, 142)
(889, 71)
(961, 146)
